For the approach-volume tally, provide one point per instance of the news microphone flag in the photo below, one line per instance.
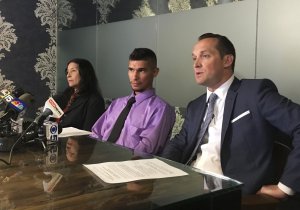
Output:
(51, 130)
(12, 101)
(6, 96)
(17, 105)
(57, 112)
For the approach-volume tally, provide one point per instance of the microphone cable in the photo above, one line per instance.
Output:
(16, 142)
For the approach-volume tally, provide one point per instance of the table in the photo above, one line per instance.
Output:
(56, 179)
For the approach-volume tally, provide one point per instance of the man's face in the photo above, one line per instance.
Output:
(141, 74)
(209, 68)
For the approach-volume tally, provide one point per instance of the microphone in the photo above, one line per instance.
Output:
(14, 105)
(5, 96)
(17, 105)
(27, 98)
(18, 92)
(51, 109)
(11, 122)
(48, 129)
(17, 125)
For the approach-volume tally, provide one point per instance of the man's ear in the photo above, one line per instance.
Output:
(156, 71)
(228, 60)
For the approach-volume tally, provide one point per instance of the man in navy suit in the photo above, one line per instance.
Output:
(247, 116)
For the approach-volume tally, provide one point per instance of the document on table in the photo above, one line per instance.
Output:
(132, 170)
(71, 131)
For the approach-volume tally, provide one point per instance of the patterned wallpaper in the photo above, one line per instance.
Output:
(82, 13)
(28, 35)
(28, 48)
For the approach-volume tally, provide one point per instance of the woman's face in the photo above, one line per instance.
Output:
(72, 150)
(73, 75)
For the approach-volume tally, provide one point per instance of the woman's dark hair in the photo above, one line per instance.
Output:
(88, 80)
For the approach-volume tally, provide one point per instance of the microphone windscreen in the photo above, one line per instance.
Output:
(27, 98)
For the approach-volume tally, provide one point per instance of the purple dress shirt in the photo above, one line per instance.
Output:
(147, 126)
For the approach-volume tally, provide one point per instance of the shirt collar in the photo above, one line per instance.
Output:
(222, 90)
(143, 95)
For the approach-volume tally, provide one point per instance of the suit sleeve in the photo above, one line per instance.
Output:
(283, 114)
(175, 148)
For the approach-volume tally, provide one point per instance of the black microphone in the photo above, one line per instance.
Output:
(51, 108)
(27, 98)
(41, 118)
(14, 105)
(17, 92)
(11, 123)
(12, 119)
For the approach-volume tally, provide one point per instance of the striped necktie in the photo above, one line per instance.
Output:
(209, 116)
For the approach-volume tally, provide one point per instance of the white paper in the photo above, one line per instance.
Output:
(127, 171)
(71, 131)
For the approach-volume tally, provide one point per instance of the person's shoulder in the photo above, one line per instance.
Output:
(94, 97)
(160, 101)
(256, 81)
(62, 96)
(118, 101)
(198, 100)
(249, 83)
(87, 95)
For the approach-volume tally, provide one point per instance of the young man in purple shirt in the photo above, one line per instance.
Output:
(150, 119)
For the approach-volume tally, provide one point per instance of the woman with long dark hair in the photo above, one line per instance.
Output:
(82, 101)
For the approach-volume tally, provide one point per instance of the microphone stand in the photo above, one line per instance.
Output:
(41, 137)
(16, 142)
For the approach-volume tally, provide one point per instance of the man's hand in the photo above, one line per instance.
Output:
(272, 190)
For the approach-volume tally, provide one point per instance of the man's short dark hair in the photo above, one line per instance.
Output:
(224, 46)
(139, 54)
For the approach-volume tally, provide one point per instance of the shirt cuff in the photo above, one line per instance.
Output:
(285, 189)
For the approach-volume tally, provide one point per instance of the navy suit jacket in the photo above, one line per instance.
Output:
(247, 143)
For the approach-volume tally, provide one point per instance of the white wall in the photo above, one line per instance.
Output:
(79, 43)
(115, 42)
(177, 33)
(265, 33)
(278, 44)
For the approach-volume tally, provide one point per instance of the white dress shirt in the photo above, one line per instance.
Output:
(209, 157)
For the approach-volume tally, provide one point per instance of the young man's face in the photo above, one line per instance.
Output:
(209, 68)
(141, 74)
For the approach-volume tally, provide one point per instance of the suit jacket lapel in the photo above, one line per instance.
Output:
(229, 103)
